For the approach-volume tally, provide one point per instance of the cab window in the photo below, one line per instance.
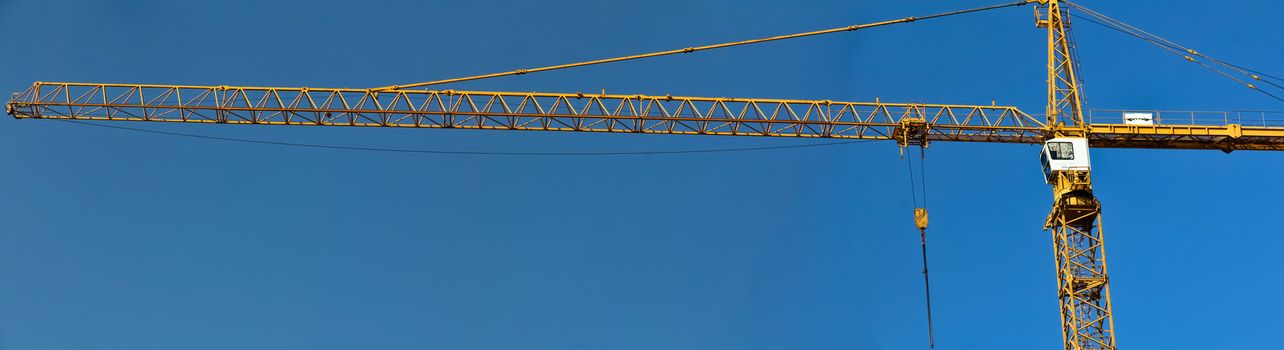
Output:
(1061, 150)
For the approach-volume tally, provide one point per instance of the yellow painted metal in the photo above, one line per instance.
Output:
(1075, 220)
(905, 123)
(912, 131)
(1082, 284)
(920, 218)
(1087, 320)
(1227, 137)
(1064, 104)
(1227, 131)
(523, 111)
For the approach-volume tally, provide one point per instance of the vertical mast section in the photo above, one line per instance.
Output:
(1075, 220)
(1064, 105)
(1082, 285)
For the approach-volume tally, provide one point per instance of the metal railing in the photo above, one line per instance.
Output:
(1160, 117)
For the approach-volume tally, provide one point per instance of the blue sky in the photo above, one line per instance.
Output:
(118, 240)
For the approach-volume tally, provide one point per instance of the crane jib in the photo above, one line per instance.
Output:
(1067, 127)
(628, 114)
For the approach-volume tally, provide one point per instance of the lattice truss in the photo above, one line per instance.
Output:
(1063, 88)
(1084, 287)
(613, 113)
(522, 111)
(1226, 136)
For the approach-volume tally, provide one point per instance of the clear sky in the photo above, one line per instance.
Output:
(120, 240)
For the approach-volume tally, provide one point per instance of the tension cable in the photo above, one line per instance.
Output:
(704, 47)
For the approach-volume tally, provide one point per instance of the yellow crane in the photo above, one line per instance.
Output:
(1074, 219)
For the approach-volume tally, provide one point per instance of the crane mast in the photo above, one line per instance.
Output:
(1087, 321)
(1074, 220)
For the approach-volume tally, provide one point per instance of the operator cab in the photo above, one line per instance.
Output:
(1064, 153)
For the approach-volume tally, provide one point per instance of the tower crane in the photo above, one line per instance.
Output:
(1065, 132)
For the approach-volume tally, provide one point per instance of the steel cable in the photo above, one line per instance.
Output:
(701, 48)
(1179, 50)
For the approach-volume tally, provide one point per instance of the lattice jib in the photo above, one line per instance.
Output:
(519, 111)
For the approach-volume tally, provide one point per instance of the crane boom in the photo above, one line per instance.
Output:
(1075, 220)
(649, 114)
(522, 111)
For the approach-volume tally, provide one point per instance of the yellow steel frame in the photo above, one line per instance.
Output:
(1064, 104)
(1082, 284)
(1226, 131)
(1075, 218)
(526, 111)
(1087, 321)
(907, 123)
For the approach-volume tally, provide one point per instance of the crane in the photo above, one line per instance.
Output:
(1065, 131)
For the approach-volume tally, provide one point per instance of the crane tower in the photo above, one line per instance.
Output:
(1083, 286)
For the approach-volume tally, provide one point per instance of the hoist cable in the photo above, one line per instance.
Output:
(913, 190)
(922, 232)
(927, 291)
(922, 237)
(922, 169)
(918, 192)
(702, 48)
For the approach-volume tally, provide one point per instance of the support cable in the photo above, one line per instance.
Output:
(1182, 51)
(702, 48)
